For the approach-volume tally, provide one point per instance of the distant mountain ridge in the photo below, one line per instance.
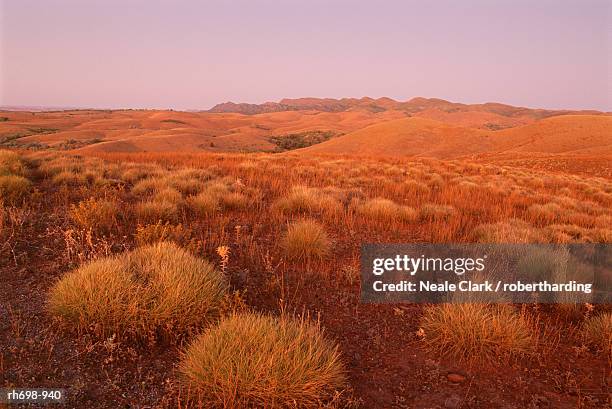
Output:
(412, 106)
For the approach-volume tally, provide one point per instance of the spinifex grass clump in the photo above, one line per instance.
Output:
(158, 291)
(302, 199)
(11, 163)
(305, 239)
(477, 332)
(597, 332)
(386, 210)
(152, 211)
(95, 214)
(14, 188)
(252, 360)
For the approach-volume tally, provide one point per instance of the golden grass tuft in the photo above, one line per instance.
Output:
(387, 210)
(305, 239)
(546, 213)
(204, 204)
(253, 360)
(169, 195)
(156, 291)
(11, 164)
(302, 199)
(14, 188)
(97, 215)
(70, 178)
(158, 232)
(185, 185)
(597, 332)
(149, 186)
(477, 332)
(233, 200)
(431, 211)
(152, 211)
(511, 231)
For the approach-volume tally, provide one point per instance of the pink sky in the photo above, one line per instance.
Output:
(194, 54)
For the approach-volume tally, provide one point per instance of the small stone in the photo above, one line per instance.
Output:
(455, 377)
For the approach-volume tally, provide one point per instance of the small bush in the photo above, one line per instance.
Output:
(70, 178)
(512, 231)
(135, 174)
(597, 332)
(187, 186)
(14, 188)
(158, 291)
(158, 232)
(169, 195)
(203, 204)
(303, 199)
(387, 210)
(153, 211)
(476, 332)
(546, 213)
(11, 164)
(97, 215)
(305, 239)
(148, 186)
(252, 360)
(233, 201)
(436, 212)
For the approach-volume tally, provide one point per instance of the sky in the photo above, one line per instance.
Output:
(194, 54)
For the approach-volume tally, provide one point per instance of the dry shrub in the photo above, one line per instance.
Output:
(169, 195)
(70, 178)
(11, 164)
(600, 235)
(157, 291)
(603, 197)
(597, 332)
(56, 165)
(204, 204)
(546, 213)
(436, 181)
(512, 231)
(14, 188)
(416, 188)
(477, 332)
(148, 186)
(305, 239)
(252, 360)
(185, 185)
(247, 165)
(387, 210)
(233, 201)
(226, 193)
(158, 232)
(564, 233)
(432, 211)
(97, 215)
(302, 199)
(153, 211)
(217, 187)
(137, 173)
(603, 220)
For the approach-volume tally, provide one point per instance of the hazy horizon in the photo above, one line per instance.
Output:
(190, 55)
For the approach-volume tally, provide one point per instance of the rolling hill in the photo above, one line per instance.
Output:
(383, 126)
(590, 134)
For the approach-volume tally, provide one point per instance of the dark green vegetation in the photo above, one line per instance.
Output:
(301, 140)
